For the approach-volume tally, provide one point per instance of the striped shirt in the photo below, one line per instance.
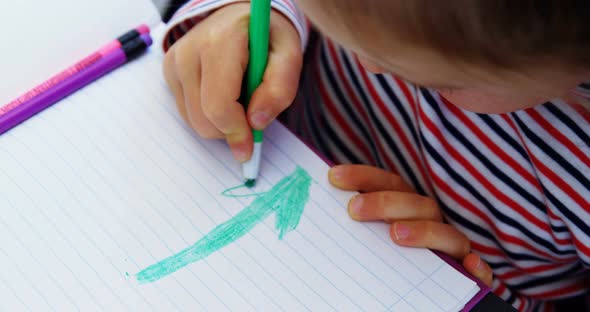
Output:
(516, 184)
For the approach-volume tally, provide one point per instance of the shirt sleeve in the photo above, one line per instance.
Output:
(195, 11)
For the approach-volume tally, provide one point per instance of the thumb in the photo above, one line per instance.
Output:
(478, 268)
(281, 78)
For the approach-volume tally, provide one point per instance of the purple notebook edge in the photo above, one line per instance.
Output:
(483, 288)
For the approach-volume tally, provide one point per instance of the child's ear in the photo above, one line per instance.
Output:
(370, 66)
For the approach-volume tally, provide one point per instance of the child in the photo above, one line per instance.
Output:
(478, 118)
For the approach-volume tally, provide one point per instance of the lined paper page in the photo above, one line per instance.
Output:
(110, 181)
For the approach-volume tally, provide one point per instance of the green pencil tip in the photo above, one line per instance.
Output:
(250, 183)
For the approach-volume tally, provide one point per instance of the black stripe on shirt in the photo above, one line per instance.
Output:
(498, 173)
(364, 99)
(504, 135)
(344, 103)
(383, 132)
(400, 108)
(459, 180)
(543, 281)
(567, 121)
(327, 131)
(572, 217)
(553, 154)
(463, 221)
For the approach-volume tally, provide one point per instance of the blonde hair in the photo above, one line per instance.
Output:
(504, 33)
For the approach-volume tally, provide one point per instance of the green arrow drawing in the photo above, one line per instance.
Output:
(287, 199)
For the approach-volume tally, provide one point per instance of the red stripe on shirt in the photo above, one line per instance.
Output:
(559, 136)
(492, 146)
(342, 123)
(479, 177)
(388, 115)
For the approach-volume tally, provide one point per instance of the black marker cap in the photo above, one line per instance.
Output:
(135, 47)
(128, 36)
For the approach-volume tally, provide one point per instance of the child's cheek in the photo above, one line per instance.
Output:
(370, 66)
(485, 103)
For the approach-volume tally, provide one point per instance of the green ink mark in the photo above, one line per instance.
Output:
(250, 183)
(287, 199)
(229, 192)
(127, 274)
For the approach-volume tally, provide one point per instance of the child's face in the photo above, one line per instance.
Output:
(477, 88)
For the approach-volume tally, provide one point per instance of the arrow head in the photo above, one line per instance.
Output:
(289, 199)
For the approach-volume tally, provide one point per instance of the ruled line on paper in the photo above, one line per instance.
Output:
(111, 180)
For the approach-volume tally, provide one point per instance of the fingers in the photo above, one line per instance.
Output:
(205, 69)
(432, 235)
(391, 206)
(366, 179)
(281, 77)
(188, 70)
(221, 82)
(417, 220)
(169, 69)
(478, 268)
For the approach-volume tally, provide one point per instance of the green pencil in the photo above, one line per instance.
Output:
(259, 32)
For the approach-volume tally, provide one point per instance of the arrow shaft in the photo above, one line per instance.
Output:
(287, 198)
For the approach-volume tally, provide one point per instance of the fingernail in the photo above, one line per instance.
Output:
(240, 155)
(260, 119)
(479, 264)
(401, 231)
(336, 173)
(356, 204)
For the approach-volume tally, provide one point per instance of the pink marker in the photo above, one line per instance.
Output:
(72, 83)
(76, 68)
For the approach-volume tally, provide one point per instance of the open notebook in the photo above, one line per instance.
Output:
(110, 181)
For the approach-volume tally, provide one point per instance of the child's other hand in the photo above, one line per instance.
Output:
(206, 66)
(416, 221)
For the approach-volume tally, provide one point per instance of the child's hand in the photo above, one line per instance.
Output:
(206, 66)
(416, 220)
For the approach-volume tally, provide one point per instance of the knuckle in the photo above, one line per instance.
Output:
(428, 201)
(205, 131)
(210, 135)
(214, 36)
(280, 97)
(209, 41)
(383, 199)
(215, 112)
(386, 207)
(209, 34)
(431, 207)
(428, 233)
(179, 52)
(183, 57)
(466, 245)
(294, 56)
(396, 182)
(389, 199)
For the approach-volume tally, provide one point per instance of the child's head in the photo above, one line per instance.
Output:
(484, 55)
